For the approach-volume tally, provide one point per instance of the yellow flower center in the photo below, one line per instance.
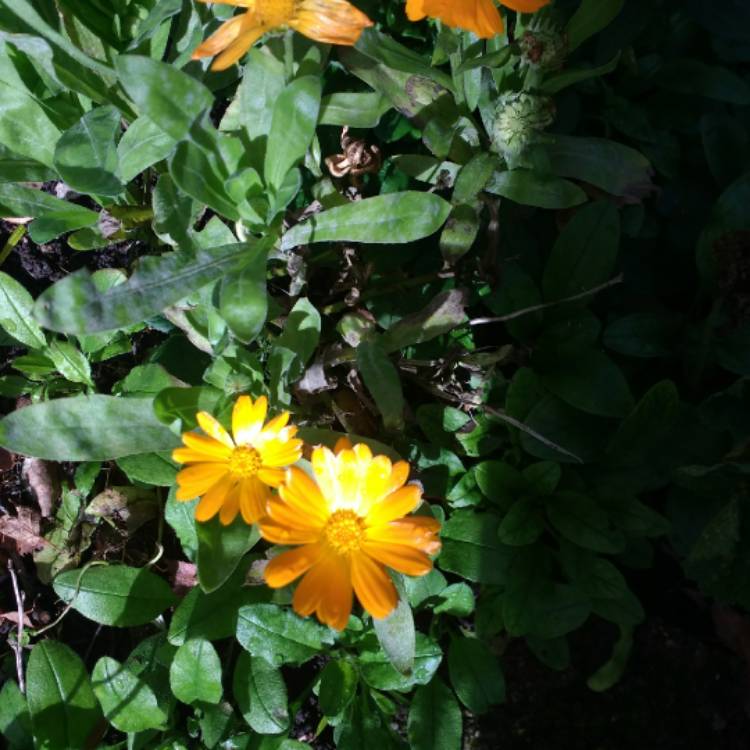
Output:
(274, 13)
(344, 531)
(245, 461)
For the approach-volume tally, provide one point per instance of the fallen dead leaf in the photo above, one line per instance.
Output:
(24, 530)
(13, 617)
(44, 480)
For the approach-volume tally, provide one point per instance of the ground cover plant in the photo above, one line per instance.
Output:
(374, 374)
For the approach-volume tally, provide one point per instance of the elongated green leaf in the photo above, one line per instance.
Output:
(581, 520)
(590, 18)
(385, 219)
(128, 702)
(15, 722)
(569, 77)
(382, 380)
(260, 693)
(295, 115)
(143, 144)
(475, 674)
(167, 96)
(355, 110)
(63, 709)
(86, 154)
(18, 109)
(220, 549)
(115, 594)
(53, 216)
(280, 636)
(531, 188)
(214, 616)
(378, 671)
(243, 298)
(585, 252)
(195, 672)
(397, 637)
(15, 313)
(608, 165)
(75, 305)
(262, 84)
(338, 685)
(85, 428)
(435, 721)
(70, 362)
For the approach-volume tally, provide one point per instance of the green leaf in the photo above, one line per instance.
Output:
(521, 525)
(390, 219)
(262, 84)
(214, 616)
(157, 469)
(85, 428)
(18, 110)
(180, 516)
(531, 188)
(610, 166)
(363, 728)
(444, 313)
(397, 637)
(168, 97)
(579, 519)
(362, 110)
(86, 154)
(456, 599)
(183, 404)
(500, 482)
(143, 144)
(128, 702)
(338, 685)
(115, 594)
(588, 380)
(260, 693)
(471, 548)
(584, 254)
(696, 78)
(15, 313)
(15, 722)
(295, 115)
(382, 380)
(70, 362)
(52, 216)
(552, 652)
(195, 672)
(220, 549)
(560, 81)
(435, 721)
(647, 334)
(475, 674)
(64, 711)
(243, 299)
(280, 636)
(610, 673)
(378, 672)
(590, 18)
(75, 305)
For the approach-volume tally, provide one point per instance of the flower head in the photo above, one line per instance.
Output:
(331, 21)
(480, 16)
(232, 473)
(347, 525)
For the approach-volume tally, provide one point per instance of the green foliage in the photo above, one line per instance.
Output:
(517, 263)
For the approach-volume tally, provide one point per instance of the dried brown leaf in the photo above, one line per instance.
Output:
(24, 530)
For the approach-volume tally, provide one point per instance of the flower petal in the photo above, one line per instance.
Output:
(271, 477)
(273, 426)
(342, 444)
(400, 557)
(286, 567)
(238, 48)
(330, 21)
(197, 478)
(245, 424)
(212, 501)
(415, 10)
(276, 453)
(254, 495)
(396, 505)
(336, 603)
(277, 533)
(230, 507)
(303, 496)
(479, 16)
(210, 425)
(373, 586)
(213, 449)
(525, 6)
(415, 531)
(221, 38)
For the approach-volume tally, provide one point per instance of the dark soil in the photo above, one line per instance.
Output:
(678, 691)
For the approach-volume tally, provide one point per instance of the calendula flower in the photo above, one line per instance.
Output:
(331, 21)
(480, 16)
(347, 525)
(233, 473)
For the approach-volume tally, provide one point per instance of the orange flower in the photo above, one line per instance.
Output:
(234, 474)
(331, 21)
(349, 524)
(479, 16)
